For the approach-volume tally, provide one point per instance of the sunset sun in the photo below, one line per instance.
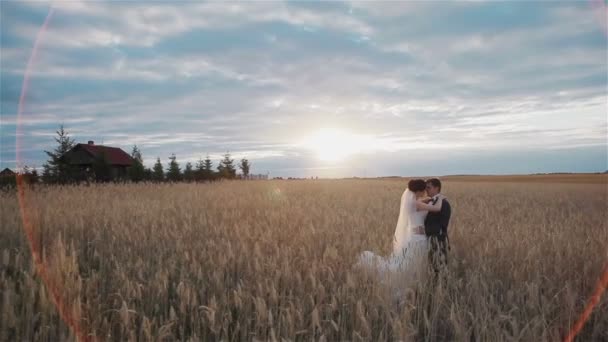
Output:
(330, 144)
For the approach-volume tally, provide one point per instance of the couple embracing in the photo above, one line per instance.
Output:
(421, 235)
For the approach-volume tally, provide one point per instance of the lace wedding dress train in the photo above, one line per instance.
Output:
(408, 260)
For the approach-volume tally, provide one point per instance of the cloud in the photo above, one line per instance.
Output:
(146, 25)
(257, 78)
(42, 118)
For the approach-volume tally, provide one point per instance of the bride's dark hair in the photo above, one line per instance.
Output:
(416, 185)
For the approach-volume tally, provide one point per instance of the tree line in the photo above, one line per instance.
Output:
(203, 170)
(58, 170)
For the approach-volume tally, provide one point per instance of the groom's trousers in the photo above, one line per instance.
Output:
(438, 251)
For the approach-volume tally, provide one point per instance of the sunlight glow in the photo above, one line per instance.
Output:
(334, 145)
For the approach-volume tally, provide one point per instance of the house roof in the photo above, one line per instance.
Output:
(7, 172)
(114, 155)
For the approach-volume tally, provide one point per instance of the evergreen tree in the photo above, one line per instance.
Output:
(47, 174)
(148, 174)
(204, 170)
(199, 171)
(208, 173)
(34, 178)
(136, 171)
(136, 154)
(189, 172)
(245, 166)
(158, 174)
(226, 167)
(58, 169)
(174, 172)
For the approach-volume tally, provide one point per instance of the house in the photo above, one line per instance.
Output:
(7, 173)
(87, 157)
(7, 178)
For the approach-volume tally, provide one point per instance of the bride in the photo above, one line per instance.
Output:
(410, 246)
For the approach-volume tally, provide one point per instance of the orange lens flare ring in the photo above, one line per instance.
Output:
(65, 312)
(601, 286)
(54, 289)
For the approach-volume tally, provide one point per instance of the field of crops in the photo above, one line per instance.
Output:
(273, 260)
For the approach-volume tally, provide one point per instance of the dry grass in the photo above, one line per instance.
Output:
(576, 178)
(273, 260)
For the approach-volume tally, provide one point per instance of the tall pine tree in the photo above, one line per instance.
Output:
(226, 167)
(208, 173)
(47, 174)
(188, 172)
(34, 178)
(198, 172)
(148, 174)
(57, 170)
(204, 169)
(137, 170)
(158, 174)
(245, 166)
(174, 174)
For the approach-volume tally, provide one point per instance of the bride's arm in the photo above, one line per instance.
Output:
(430, 207)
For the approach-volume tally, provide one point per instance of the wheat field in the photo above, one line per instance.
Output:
(273, 260)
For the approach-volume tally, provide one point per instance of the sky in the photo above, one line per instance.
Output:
(331, 89)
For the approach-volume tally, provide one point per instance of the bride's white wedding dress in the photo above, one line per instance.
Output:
(409, 257)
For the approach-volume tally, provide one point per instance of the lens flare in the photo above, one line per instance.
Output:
(601, 286)
(65, 311)
(330, 144)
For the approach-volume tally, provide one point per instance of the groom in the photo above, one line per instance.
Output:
(436, 227)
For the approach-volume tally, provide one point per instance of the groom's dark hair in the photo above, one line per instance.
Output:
(434, 182)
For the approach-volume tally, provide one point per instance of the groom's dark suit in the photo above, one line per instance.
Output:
(436, 229)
